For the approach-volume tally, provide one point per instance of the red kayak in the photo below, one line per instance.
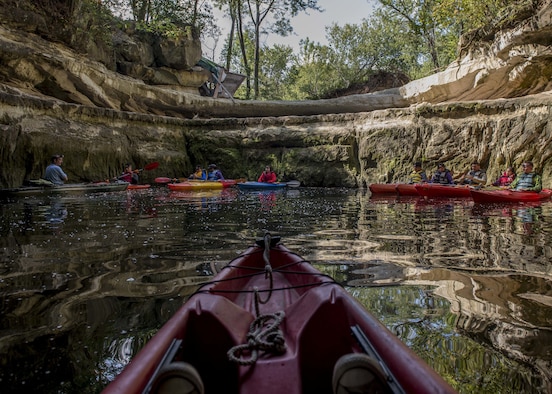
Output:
(383, 188)
(508, 196)
(407, 189)
(269, 322)
(437, 190)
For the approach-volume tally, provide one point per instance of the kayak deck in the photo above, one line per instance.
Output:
(315, 317)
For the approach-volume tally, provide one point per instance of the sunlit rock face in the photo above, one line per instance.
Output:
(491, 106)
(511, 63)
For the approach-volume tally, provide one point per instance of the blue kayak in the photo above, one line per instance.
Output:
(259, 185)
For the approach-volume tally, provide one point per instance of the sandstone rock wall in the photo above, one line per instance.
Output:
(320, 150)
(53, 100)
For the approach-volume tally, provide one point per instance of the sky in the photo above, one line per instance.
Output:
(313, 25)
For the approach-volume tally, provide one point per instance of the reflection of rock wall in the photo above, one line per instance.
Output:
(486, 305)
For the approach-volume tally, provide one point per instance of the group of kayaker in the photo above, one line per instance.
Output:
(528, 180)
(212, 174)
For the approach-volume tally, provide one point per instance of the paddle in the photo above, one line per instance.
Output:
(150, 166)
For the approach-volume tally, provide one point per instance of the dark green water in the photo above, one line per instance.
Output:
(86, 280)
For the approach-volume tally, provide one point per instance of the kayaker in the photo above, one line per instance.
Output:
(528, 180)
(442, 175)
(268, 176)
(129, 175)
(198, 174)
(476, 176)
(54, 173)
(506, 178)
(417, 175)
(214, 174)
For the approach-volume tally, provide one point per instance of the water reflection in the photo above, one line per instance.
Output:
(85, 281)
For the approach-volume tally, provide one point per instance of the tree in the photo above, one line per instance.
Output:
(274, 14)
(418, 14)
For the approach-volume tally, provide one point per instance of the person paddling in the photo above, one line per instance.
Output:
(129, 175)
(267, 176)
(54, 173)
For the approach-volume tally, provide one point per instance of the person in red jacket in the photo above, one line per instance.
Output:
(268, 176)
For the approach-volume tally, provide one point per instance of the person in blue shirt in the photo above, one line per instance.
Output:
(214, 174)
(54, 173)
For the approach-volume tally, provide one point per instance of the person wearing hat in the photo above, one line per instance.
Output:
(417, 175)
(442, 175)
(54, 173)
(214, 174)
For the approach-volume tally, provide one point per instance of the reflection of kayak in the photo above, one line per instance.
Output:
(202, 185)
(251, 185)
(270, 322)
(506, 196)
(200, 195)
(67, 188)
(137, 187)
(437, 190)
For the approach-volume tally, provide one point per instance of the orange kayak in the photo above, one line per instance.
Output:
(201, 185)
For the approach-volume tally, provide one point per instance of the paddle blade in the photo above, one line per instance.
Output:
(293, 184)
(151, 166)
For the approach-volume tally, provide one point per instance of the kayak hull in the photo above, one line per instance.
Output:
(434, 190)
(251, 185)
(138, 187)
(407, 189)
(317, 318)
(99, 187)
(402, 189)
(201, 185)
(508, 196)
(383, 188)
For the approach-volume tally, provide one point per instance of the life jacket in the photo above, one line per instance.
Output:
(417, 177)
(476, 174)
(441, 177)
(526, 181)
